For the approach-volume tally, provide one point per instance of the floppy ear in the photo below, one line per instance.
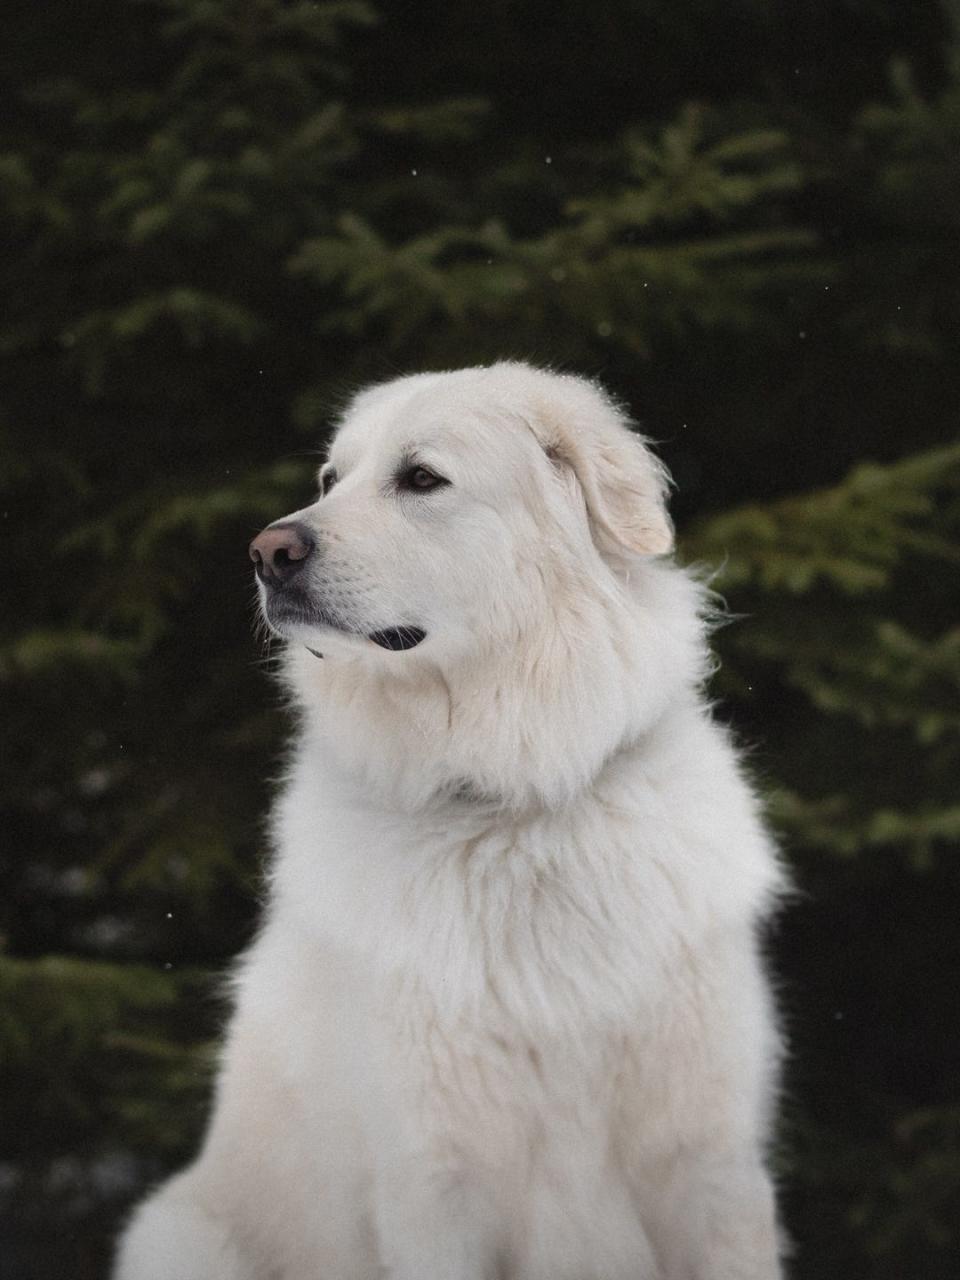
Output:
(623, 484)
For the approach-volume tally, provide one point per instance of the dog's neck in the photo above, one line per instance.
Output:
(532, 727)
(465, 794)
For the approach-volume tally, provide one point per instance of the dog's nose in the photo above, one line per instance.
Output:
(281, 551)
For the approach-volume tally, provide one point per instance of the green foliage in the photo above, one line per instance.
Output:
(800, 557)
(83, 1026)
(660, 252)
(829, 824)
(220, 216)
(851, 536)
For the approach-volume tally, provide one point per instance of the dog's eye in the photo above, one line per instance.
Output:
(328, 479)
(419, 480)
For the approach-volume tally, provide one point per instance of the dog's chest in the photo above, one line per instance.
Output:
(502, 1091)
(542, 922)
(520, 1127)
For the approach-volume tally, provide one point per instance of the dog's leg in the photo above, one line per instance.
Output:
(171, 1237)
(715, 1220)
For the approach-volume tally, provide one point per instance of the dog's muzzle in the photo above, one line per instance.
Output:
(280, 554)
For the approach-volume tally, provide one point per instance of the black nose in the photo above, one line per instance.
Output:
(281, 551)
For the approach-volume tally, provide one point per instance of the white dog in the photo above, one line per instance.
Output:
(505, 1019)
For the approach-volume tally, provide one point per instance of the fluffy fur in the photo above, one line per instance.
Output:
(505, 1018)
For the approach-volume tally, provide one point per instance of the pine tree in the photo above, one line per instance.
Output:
(224, 214)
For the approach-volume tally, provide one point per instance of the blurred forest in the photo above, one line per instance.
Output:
(220, 216)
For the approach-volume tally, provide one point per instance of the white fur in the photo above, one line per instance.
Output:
(505, 1019)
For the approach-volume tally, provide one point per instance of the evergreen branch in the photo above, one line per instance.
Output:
(832, 824)
(876, 671)
(65, 1005)
(40, 652)
(451, 120)
(852, 536)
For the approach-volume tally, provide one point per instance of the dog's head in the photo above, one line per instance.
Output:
(451, 504)
(483, 574)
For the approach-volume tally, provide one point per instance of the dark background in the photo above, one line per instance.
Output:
(220, 216)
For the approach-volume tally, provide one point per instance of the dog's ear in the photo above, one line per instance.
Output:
(623, 484)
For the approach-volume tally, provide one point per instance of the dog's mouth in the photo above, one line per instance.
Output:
(394, 638)
(293, 607)
(398, 638)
